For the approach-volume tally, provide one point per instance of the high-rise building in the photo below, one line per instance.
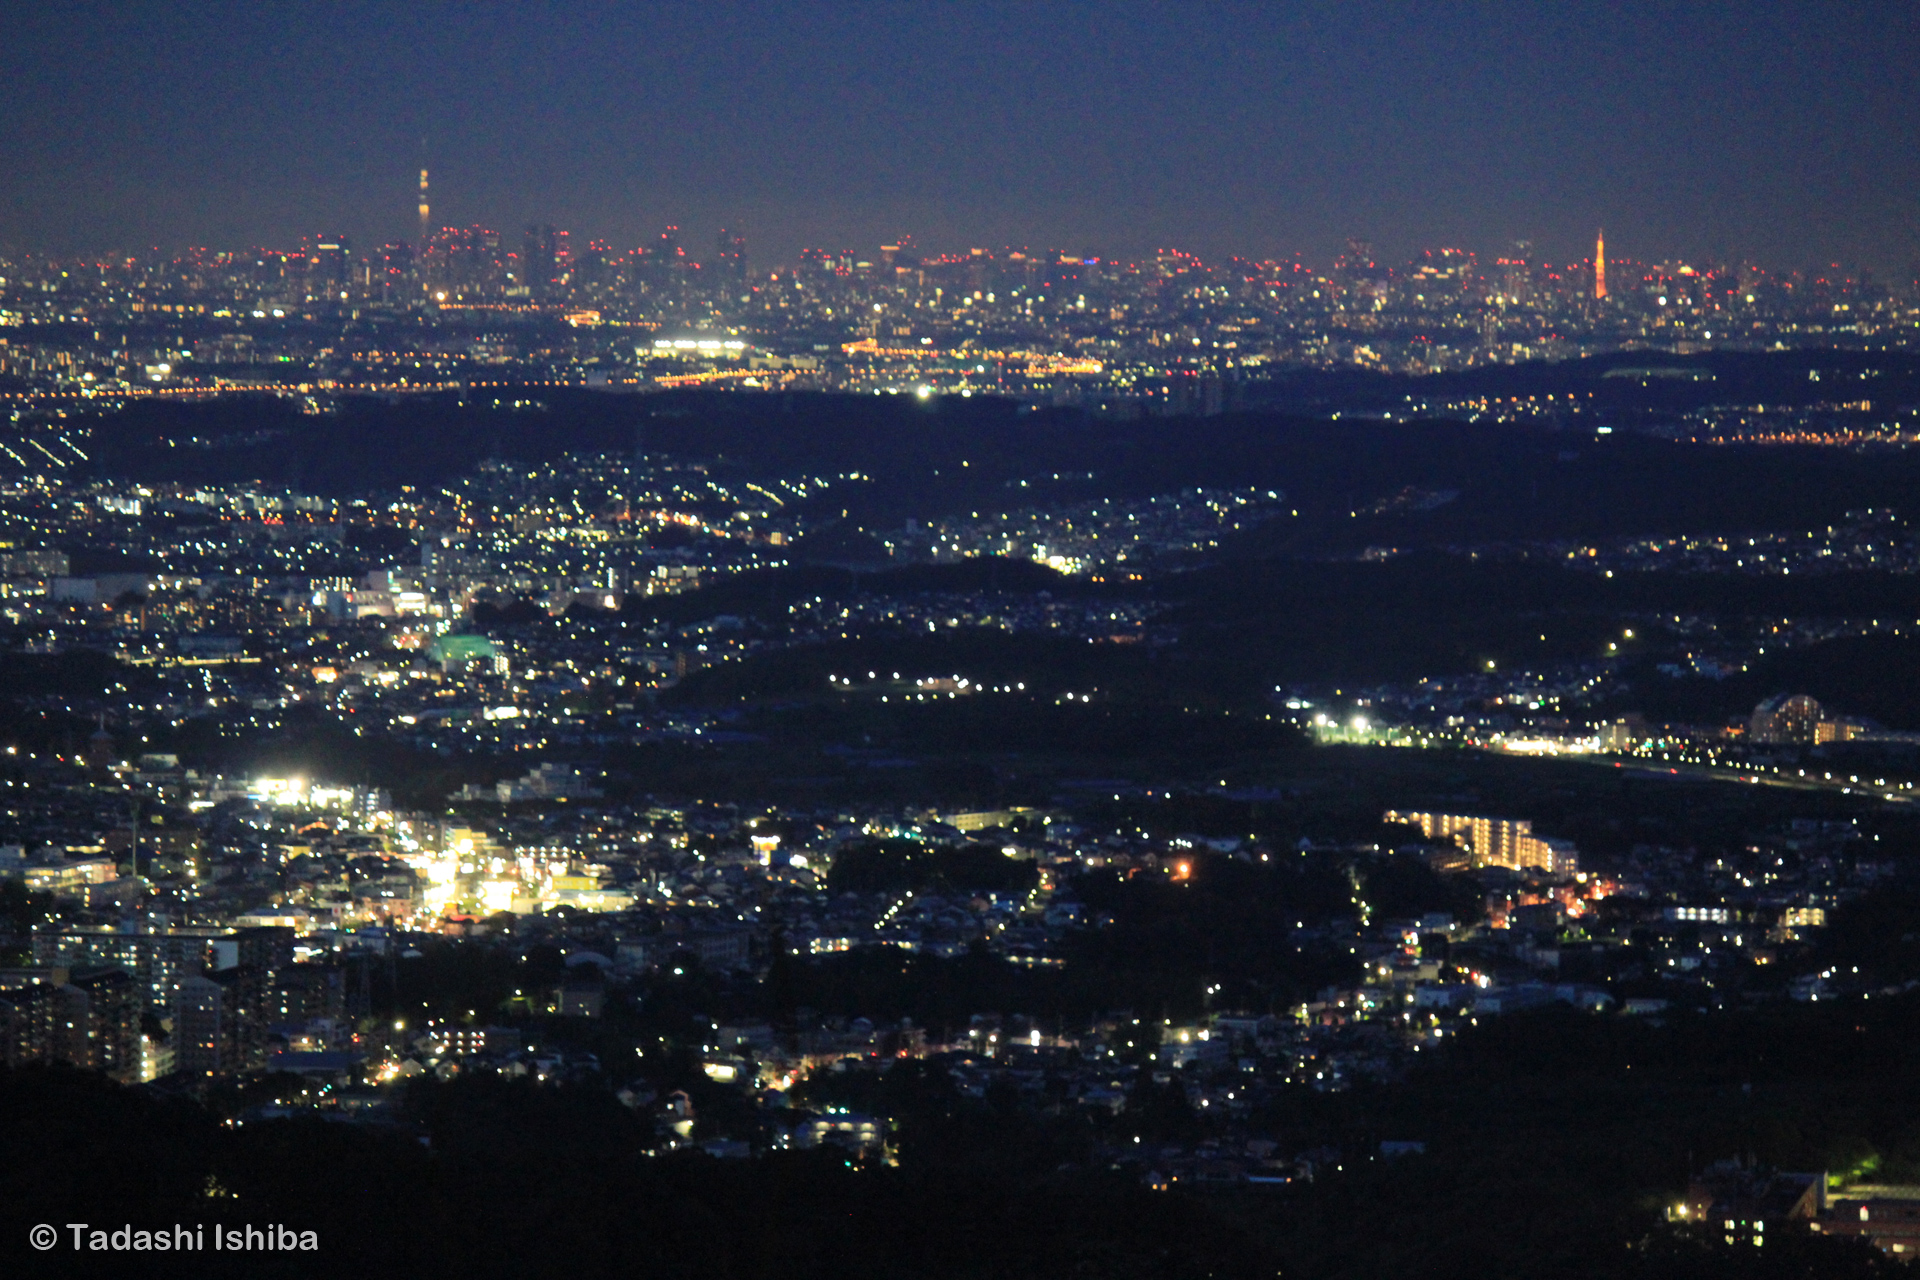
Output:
(100, 1023)
(160, 961)
(589, 268)
(303, 992)
(1495, 842)
(30, 1005)
(1358, 280)
(221, 1015)
(1600, 266)
(539, 258)
(465, 261)
(730, 262)
(89, 1019)
(1785, 718)
(980, 271)
(1798, 718)
(205, 1023)
(394, 271)
(663, 266)
(1516, 275)
(329, 262)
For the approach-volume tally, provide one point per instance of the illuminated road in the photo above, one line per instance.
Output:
(1875, 790)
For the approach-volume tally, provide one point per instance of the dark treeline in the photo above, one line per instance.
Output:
(1513, 481)
(1876, 676)
(1554, 1142)
(1431, 614)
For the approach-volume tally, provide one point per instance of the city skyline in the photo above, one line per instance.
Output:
(694, 236)
(1222, 129)
(696, 245)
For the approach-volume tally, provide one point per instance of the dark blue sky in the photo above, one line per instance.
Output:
(1786, 131)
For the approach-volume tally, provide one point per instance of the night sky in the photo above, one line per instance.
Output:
(1787, 132)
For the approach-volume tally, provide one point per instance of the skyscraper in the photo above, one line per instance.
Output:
(539, 258)
(589, 268)
(465, 261)
(1600, 266)
(1516, 278)
(328, 264)
(664, 266)
(730, 263)
(395, 270)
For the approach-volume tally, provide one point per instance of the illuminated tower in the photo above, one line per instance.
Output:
(423, 210)
(1599, 263)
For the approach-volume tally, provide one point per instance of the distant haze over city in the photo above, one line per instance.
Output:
(696, 243)
(1221, 129)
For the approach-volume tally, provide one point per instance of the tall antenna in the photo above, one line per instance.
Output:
(1599, 259)
(425, 209)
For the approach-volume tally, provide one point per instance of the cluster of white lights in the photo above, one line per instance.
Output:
(698, 344)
